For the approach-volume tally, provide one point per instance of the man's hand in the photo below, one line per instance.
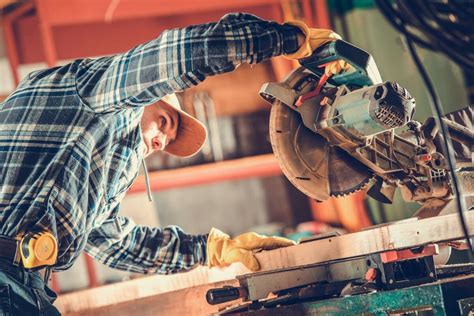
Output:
(222, 250)
(335, 67)
(312, 39)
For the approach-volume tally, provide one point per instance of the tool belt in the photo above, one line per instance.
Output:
(32, 251)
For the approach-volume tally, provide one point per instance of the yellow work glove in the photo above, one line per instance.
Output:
(222, 250)
(313, 39)
(335, 67)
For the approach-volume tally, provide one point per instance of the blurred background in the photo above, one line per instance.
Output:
(235, 183)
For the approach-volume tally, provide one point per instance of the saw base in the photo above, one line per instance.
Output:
(451, 296)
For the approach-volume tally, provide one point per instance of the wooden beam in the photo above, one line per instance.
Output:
(243, 168)
(135, 293)
(190, 301)
(399, 235)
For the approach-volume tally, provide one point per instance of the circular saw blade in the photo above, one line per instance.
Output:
(346, 174)
(309, 162)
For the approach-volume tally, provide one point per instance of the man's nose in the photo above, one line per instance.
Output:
(162, 140)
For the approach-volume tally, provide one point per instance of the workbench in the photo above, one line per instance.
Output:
(453, 287)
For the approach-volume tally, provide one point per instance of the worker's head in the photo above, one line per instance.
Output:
(166, 127)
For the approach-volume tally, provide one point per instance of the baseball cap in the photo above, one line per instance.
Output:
(191, 134)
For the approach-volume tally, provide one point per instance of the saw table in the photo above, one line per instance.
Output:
(451, 296)
(385, 269)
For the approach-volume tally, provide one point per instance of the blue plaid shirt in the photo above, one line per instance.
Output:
(70, 141)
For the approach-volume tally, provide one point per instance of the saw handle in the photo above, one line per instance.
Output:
(225, 294)
(365, 71)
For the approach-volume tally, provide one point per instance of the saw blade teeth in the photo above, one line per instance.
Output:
(354, 190)
(346, 174)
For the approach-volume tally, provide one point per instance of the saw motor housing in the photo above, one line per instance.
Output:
(344, 138)
(371, 110)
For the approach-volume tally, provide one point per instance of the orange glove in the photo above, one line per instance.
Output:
(222, 250)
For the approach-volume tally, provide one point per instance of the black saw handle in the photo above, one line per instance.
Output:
(225, 294)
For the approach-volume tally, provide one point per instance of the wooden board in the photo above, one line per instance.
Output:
(395, 236)
(87, 302)
(190, 301)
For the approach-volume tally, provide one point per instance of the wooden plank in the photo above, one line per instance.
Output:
(190, 301)
(394, 236)
(87, 302)
(243, 168)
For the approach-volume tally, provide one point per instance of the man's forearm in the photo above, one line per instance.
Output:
(181, 58)
(122, 245)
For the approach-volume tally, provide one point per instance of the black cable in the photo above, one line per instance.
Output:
(445, 26)
(446, 139)
(435, 37)
(398, 22)
(439, 38)
(458, 10)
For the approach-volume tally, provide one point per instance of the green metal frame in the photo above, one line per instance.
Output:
(436, 299)
(383, 303)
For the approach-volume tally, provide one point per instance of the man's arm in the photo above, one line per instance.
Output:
(121, 244)
(181, 58)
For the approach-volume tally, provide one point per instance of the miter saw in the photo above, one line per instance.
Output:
(335, 135)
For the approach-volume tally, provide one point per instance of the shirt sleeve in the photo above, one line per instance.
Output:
(179, 59)
(121, 244)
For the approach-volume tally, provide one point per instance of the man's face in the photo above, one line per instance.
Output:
(159, 126)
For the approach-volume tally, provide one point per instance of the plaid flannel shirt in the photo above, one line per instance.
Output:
(70, 141)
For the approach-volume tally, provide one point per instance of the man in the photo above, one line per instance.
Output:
(72, 140)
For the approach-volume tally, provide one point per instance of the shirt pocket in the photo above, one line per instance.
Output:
(124, 165)
(125, 179)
